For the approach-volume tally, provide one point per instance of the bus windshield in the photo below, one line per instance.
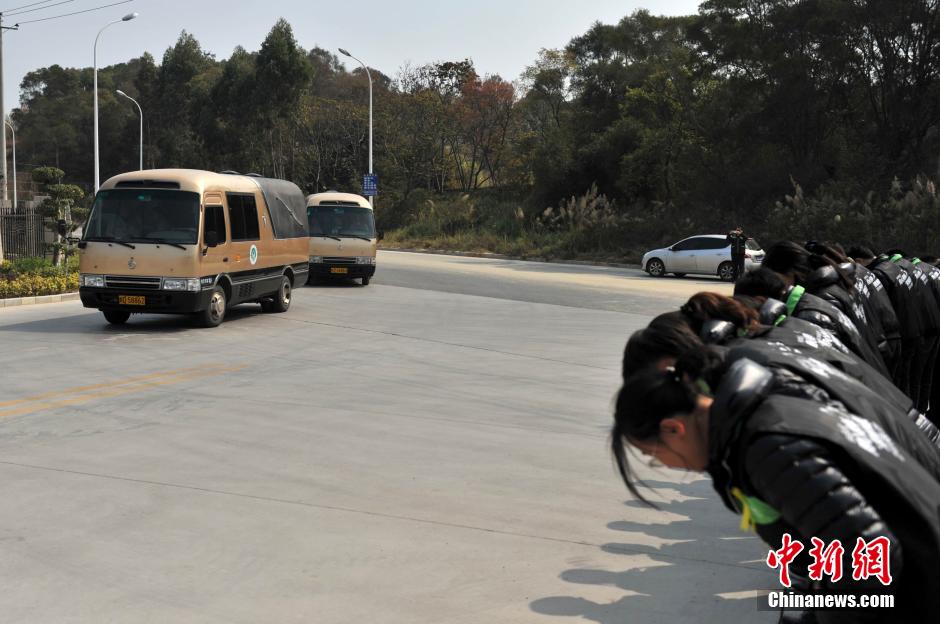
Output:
(337, 220)
(144, 216)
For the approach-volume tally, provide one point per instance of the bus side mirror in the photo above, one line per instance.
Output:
(212, 238)
(381, 234)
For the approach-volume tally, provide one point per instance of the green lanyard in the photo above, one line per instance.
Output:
(796, 293)
(754, 511)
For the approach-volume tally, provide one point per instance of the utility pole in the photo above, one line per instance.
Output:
(3, 135)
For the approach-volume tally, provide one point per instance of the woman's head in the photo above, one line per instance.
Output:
(795, 263)
(790, 260)
(706, 306)
(830, 250)
(660, 415)
(761, 282)
(659, 345)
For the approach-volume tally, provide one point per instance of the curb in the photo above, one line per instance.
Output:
(38, 300)
(496, 256)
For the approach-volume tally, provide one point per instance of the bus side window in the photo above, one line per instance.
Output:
(214, 222)
(244, 217)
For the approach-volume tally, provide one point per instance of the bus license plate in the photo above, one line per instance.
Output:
(339, 271)
(133, 300)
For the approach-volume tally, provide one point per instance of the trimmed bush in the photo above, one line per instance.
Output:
(33, 285)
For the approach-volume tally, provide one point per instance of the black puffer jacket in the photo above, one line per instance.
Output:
(818, 311)
(900, 289)
(929, 279)
(826, 283)
(927, 298)
(841, 375)
(817, 469)
(880, 313)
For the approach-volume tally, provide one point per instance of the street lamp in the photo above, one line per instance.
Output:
(13, 130)
(126, 18)
(369, 74)
(119, 92)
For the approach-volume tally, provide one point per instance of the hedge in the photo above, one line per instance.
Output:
(31, 285)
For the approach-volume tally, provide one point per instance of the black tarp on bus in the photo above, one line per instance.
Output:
(287, 206)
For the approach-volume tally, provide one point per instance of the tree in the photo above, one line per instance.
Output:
(61, 205)
(283, 74)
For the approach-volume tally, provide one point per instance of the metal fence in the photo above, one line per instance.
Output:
(23, 232)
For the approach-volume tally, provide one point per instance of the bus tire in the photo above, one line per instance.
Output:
(214, 313)
(283, 296)
(116, 317)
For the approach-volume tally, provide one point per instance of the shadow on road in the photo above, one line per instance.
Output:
(334, 282)
(678, 569)
(92, 322)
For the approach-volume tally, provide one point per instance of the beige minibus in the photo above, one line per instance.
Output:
(181, 241)
(343, 239)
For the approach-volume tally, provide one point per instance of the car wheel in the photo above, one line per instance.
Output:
(214, 313)
(365, 281)
(679, 274)
(656, 268)
(116, 317)
(726, 272)
(281, 301)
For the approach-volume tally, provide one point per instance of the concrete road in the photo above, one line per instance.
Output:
(431, 448)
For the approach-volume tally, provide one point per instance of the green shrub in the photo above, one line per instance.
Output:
(32, 285)
(31, 265)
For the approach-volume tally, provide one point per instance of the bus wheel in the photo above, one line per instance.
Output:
(281, 301)
(116, 317)
(214, 313)
(366, 280)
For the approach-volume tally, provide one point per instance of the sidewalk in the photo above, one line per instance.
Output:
(23, 301)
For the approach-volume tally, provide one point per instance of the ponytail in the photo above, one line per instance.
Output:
(707, 306)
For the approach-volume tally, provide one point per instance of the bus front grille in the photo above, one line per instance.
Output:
(129, 281)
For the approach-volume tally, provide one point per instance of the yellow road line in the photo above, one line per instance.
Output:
(126, 388)
(109, 384)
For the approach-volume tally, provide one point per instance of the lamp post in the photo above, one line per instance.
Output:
(369, 74)
(126, 18)
(13, 130)
(140, 110)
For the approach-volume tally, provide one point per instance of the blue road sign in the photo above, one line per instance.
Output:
(370, 185)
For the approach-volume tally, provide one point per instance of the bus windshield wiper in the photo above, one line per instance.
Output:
(159, 241)
(356, 236)
(328, 236)
(109, 239)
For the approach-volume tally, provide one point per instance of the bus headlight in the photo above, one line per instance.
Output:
(180, 283)
(316, 259)
(92, 281)
(365, 260)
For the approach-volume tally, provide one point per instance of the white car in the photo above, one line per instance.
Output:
(708, 254)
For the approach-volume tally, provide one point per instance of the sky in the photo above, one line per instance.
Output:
(501, 36)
